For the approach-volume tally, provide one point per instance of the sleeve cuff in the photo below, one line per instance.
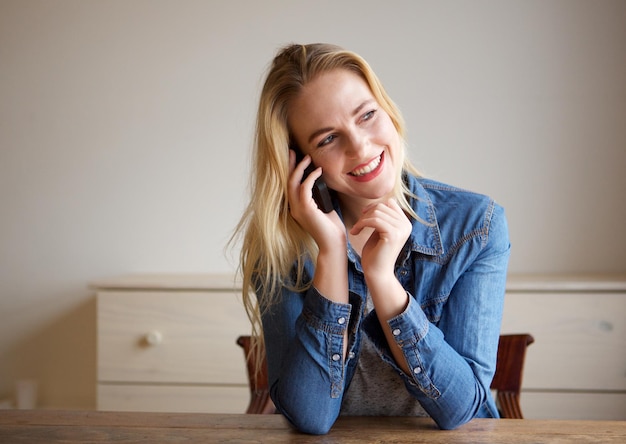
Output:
(324, 314)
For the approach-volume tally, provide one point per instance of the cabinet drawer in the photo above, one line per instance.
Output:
(197, 332)
(161, 398)
(579, 406)
(580, 339)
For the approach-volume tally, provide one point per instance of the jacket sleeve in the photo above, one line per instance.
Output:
(452, 360)
(304, 336)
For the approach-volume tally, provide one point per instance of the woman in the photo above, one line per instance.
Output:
(391, 303)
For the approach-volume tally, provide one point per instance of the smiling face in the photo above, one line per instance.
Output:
(336, 119)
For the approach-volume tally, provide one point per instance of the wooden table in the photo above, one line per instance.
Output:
(50, 426)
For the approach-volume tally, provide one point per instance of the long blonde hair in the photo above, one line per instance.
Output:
(272, 241)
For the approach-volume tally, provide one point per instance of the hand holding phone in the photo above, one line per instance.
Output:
(321, 194)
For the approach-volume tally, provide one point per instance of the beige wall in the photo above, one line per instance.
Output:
(125, 128)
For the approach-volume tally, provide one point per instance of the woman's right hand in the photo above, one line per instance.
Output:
(327, 229)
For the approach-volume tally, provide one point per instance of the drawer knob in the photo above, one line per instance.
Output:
(154, 337)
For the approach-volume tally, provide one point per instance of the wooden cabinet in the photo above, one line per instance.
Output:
(576, 369)
(167, 343)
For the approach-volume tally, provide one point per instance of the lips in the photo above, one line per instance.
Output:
(368, 171)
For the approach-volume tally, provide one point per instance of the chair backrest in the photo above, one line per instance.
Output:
(260, 401)
(507, 380)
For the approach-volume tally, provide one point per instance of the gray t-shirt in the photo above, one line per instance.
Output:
(376, 388)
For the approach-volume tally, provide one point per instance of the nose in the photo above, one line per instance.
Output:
(356, 144)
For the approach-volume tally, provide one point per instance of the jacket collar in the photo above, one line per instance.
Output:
(425, 237)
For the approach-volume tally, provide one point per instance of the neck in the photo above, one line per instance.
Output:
(351, 212)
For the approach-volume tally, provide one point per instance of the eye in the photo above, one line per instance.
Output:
(368, 115)
(326, 140)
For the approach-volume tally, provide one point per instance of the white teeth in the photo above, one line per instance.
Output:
(367, 168)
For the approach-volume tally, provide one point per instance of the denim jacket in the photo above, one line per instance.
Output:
(453, 267)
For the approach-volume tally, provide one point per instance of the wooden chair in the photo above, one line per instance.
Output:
(260, 401)
(507, 381)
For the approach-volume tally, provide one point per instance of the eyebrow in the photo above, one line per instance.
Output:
(326, 129)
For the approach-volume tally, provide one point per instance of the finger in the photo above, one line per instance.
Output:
(297, 169)
(301, 189)
(292, 160)
(380, 217)
(395, 206)
(387, 219)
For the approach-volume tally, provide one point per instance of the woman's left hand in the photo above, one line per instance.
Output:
(391, 228)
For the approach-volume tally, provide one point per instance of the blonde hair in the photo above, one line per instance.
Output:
(272, 241)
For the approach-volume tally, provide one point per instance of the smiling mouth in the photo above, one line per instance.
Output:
(362, 171)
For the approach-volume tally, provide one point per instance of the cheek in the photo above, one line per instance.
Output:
(332, 170)
(389, 130)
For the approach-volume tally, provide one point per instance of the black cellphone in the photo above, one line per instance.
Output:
(321, 193)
